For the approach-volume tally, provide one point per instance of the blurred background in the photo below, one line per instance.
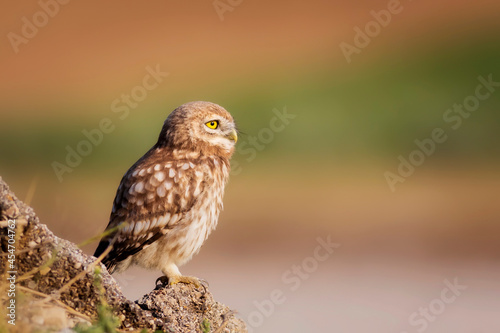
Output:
(359, 81)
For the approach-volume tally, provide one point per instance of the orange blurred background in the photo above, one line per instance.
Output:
(321, 177)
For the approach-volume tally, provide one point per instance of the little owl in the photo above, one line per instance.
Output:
(169, 201)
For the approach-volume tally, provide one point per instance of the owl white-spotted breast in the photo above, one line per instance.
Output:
(169, 201)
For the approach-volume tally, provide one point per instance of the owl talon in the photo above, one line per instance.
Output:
(204, 283)
(163, 281)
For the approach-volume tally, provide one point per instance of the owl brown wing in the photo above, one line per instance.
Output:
(153, 197)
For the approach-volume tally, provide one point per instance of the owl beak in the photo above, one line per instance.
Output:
(233, 135)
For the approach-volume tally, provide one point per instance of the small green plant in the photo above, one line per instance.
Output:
(205, 326)
(106, 322)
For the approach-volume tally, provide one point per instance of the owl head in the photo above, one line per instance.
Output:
(200, 126)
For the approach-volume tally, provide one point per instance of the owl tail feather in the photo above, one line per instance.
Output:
(109, 263)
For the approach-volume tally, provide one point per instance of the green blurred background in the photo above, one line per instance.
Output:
(323, 174)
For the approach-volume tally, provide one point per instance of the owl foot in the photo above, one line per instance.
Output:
(187, 279)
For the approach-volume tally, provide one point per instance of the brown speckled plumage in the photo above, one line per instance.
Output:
(169, 201)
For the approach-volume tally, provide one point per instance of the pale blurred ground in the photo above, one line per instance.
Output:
(322, 175)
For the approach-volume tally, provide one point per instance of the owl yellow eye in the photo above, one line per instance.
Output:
(213, 124)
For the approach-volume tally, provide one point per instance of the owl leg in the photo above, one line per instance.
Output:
(174, 276)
